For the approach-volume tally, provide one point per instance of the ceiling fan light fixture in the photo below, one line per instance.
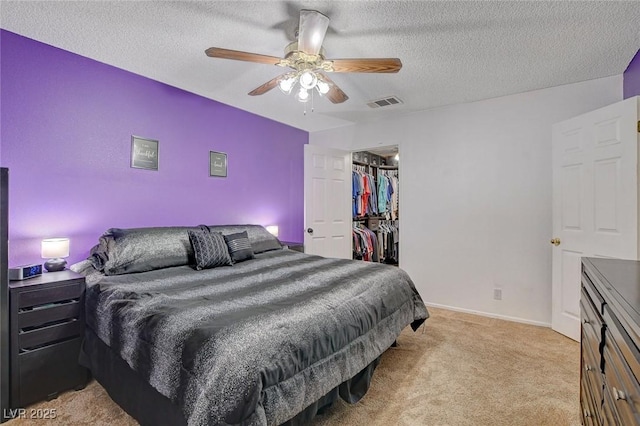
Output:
(308, 79)
(306, 57)
(323, 88)
(286, 83)
(303, 95)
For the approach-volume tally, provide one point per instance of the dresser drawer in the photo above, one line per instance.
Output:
(30, 317)
(621, 385)
(592, 375)
(609, 416)
(595, 296)
(591, 337)
(615, 333)
(588, 312)
(587, 410)
(50, 295)
(32, 338)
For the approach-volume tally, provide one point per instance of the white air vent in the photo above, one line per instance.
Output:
(384, 102)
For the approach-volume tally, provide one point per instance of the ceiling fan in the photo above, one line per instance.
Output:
(306, 57)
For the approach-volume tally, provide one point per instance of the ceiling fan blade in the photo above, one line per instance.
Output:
(217, 52)
(383, 65)
(261, 90)
(335, 94)
(313, 27)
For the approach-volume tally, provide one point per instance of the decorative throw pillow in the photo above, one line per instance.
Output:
(261, 240)
(209, 248)
(239, 246)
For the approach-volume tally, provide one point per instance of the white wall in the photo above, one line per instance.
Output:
(475, 194)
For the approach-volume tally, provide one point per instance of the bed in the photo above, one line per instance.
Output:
(267, 340)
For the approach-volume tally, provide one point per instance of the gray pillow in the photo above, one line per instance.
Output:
(239, 247)
(210, 249)
(125, 251)
(261, 240)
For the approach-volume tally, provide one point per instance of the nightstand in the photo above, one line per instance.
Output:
(293, 246)
(46, 332)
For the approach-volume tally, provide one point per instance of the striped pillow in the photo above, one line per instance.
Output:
(209, 249)
(239, 246)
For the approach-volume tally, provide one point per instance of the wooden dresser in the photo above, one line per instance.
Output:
(610, 315)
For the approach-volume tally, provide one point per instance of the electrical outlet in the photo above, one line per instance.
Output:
(497, 294)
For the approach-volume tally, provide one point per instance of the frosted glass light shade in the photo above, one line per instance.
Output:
(322, 87)
(303, 95)
(273, 230)
(55, 248)
(308, 80)
(287, 82)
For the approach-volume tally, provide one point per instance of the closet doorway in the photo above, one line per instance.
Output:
(375, 205)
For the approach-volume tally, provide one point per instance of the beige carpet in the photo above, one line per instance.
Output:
(464, 370)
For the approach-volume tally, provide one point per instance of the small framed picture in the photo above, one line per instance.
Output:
(217, 164)
(144, 153)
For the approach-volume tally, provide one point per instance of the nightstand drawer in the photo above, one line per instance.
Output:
(49, 313)
(45, 372)
(50, 295)
(49, 334)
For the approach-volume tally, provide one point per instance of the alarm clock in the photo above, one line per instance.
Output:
(19, 273)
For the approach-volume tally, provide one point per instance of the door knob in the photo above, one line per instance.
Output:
(310, 230)
(555, 241)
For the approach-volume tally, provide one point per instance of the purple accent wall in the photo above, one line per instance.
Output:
(631, 78)
(66, 126)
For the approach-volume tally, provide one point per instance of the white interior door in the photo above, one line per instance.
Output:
(595, 200)
(327, 198)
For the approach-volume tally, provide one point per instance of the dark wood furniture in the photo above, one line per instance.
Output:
(4, 294)
(293, 246)
(610, 315)
(47, 328)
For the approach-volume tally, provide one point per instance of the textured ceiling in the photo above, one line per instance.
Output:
(452, 52)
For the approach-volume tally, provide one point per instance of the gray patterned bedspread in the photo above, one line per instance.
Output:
(257, 342)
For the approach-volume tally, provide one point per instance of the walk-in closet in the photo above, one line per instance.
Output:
(376, 205)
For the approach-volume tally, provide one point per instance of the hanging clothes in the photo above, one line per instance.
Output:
(365, 244)
(363, 193)
(388, 234)
(383, 186)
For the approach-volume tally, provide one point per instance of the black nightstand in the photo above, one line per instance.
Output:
(293, 246)
(47, 328)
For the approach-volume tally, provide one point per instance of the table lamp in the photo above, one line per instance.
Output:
(55, 249)
(273, 230)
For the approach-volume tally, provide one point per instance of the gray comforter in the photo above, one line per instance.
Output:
(257, 342)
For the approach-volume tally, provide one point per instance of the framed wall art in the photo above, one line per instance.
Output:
(217, 164)
(144, 153)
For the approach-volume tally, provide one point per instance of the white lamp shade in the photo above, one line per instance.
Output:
(55, 248)
(273, 230)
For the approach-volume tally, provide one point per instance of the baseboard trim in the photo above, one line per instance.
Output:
(490, 315)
